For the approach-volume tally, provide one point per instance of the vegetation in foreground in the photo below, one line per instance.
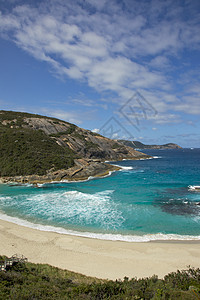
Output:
(37, 281)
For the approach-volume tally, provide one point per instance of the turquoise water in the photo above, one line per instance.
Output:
(146, 200)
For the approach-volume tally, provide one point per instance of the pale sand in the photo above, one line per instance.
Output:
(102, 259)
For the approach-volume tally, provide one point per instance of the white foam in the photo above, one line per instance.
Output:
(127, 168)
(102, 236)
(126, 159)
(18, 184)
(67, 207)
(71, 193)
(194, 188)
(153, 157)
(124, 167)
(39, 185)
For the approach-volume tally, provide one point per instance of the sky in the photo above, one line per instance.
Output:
(127, 69)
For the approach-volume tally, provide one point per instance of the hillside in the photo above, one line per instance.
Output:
(37, 148)
(139, 145)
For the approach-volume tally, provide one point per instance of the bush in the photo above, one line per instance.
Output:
(36, 281)
(26, 151)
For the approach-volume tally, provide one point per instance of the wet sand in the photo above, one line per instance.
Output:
(98, 258)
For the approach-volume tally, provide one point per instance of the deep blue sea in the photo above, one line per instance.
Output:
(146, 200)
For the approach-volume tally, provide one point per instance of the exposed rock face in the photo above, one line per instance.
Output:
(88, 150)
(82, 170)
(83, 142)
(47, 125)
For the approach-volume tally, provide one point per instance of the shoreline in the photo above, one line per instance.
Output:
(119, 237)
(42, 179)
(41, 182)
(98, 258)
(97, 235)
(100, 170)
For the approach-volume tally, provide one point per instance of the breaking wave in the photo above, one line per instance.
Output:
(101, 236)
(67, 208)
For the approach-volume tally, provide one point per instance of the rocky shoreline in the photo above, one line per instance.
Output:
(82, 170)
(38, 149)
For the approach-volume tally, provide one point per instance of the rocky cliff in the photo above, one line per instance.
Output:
(36, 148)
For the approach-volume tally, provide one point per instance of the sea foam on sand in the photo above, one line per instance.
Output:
(99, 258)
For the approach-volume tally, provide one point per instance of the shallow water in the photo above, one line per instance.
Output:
(146, 200)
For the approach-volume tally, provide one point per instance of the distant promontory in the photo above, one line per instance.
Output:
(139, 145)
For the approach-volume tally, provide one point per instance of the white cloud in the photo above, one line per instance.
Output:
(167, 118)
(88, 102)
(96, 130)
(96, 3)
(72, 117)
(191, 105)
(115, 136)
(110, 47)
(159, 62)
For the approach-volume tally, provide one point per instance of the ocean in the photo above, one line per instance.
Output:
(145, 201)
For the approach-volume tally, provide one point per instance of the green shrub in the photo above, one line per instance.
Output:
(26, 151)
(36, 281)
(70, 130)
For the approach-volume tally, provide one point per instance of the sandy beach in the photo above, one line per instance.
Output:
(98, 258)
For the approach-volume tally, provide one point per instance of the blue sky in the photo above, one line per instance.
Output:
(127, 69)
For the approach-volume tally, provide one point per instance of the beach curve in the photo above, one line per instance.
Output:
(98, 258)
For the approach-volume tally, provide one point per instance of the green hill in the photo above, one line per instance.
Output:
(25, 151)
(38, 145)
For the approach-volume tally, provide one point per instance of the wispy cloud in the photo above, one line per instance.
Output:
(82, 101)
(111, 47)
